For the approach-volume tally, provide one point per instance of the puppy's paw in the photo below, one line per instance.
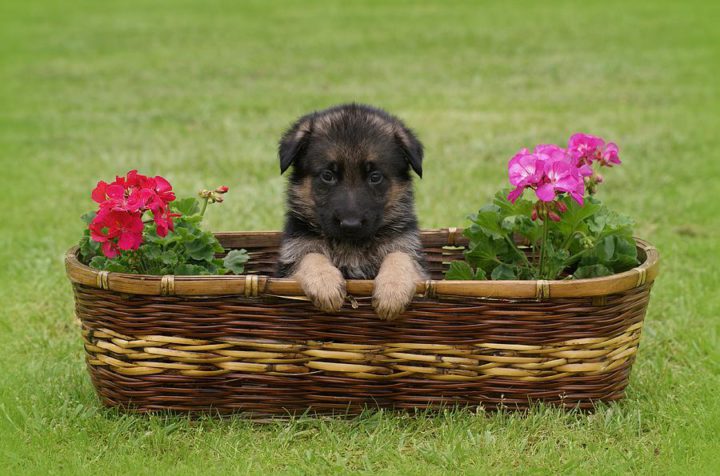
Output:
(394, 285)
(326, 290)
(392, 294)
(322, 282)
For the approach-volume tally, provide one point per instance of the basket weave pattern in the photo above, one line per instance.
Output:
(265, 350)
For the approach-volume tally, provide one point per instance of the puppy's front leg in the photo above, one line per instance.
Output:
(322, 282)
(395, 284)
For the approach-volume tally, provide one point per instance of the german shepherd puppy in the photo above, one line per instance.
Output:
(350, 209)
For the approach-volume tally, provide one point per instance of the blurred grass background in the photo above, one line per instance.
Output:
(199, 92)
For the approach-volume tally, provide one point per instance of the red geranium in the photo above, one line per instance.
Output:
(117, 230)
(118, 223)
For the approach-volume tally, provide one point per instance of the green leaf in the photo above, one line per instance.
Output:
(484, 254)
(575, 216)
(235, 261)
(506, 207)
(120, 267)
(615, 252)
(606, 249)
(504, 272)
(488, 222)
(88, 217)
(459, 270)
(89, 248)
(592, 271)
(169, 258)
(186, 206)
(187, 269)
(98, 262)
(522, 225)
(151, 251)
(479, 274)
(607, 222)
(200, 248)
(555, 261)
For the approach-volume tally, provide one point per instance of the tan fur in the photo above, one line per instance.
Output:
(394, 286)
(396, 192)
(322, 282)
(357, 262)
(303, 203)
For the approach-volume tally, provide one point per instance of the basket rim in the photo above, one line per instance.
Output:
(252, 285)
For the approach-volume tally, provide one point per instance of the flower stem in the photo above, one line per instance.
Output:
(543, 245)
(571, 260)
(517, 250)
(204, 206)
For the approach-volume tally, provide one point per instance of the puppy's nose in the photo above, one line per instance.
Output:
(350, 224)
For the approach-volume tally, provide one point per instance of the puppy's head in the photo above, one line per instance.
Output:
(351, 170)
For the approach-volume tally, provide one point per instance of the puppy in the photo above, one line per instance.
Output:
(350, 208)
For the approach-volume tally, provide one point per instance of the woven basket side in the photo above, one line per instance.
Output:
(261, 357)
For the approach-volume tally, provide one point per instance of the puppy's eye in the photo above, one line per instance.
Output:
(375, 178)
(327, 176)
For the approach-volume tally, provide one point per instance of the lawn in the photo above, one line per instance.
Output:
(200, 93)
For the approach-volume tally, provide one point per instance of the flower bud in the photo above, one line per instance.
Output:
(553, 216)
(534, 214)
(562, 208)
(204, 193)
(222, 189)
(218, 198)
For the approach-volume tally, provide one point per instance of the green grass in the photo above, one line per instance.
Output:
(200, 92)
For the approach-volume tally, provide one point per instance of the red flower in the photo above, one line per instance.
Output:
(163, 222)
(110, 225)
(119, 224)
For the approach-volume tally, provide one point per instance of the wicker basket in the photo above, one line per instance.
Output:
(255, 345)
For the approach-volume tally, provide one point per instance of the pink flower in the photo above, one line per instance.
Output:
(585, 149)
(524, 169)
(550, 152)
(548, 171)
(610, 155)
(561, 177)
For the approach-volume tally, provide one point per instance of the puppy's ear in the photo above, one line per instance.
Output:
(412, 148)
(294, 142)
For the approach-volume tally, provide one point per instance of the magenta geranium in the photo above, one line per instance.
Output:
(561, 177)
(552, 171)
(549, 171)
(562, 232)
(586, 149)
